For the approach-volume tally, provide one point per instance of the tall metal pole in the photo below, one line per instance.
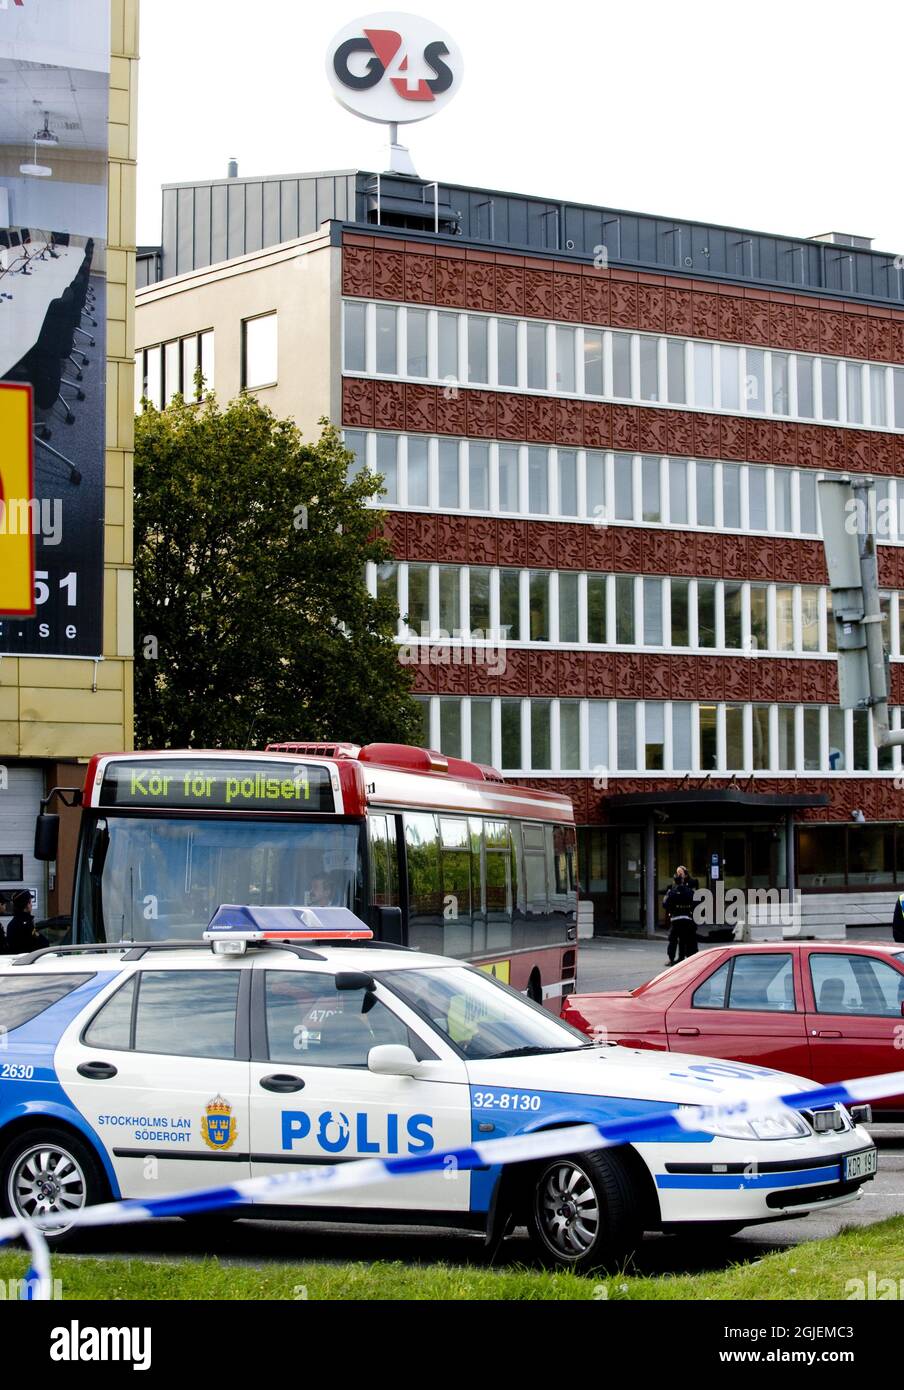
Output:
(872, 619)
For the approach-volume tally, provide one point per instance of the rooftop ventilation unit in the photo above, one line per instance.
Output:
(393, 201)
(857, 243)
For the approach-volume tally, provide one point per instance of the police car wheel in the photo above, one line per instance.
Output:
(583, 1211)
(47, 1173)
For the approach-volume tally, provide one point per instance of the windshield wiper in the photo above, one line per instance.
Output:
(534, 1051)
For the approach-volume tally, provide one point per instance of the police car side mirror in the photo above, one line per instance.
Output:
(392, 1059)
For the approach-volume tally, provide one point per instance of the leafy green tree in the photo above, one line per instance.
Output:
(253, 620)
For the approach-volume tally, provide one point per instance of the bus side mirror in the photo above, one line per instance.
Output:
(47, 837)
(389, 925)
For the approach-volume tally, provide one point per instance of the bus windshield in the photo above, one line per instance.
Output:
(144, 878)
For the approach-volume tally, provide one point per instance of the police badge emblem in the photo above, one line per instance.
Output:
(219, 1129)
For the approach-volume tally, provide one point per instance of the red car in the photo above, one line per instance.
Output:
(824, 1010)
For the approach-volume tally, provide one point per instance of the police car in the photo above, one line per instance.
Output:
(289, 1038)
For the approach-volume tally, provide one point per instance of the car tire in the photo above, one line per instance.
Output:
(60, 1163)
(585, 1211)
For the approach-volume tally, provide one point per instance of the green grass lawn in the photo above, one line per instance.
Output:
(818, 1269)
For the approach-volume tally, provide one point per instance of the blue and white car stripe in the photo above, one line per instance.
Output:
(697, 1120)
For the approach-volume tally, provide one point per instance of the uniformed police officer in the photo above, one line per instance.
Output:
(679, 905)
(21, 933)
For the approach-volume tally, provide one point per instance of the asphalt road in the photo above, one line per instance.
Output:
(605, 964)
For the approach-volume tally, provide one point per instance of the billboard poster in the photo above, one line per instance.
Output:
(54, 98)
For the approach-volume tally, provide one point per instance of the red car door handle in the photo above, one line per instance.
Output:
(688, 1032)
(827, 1033)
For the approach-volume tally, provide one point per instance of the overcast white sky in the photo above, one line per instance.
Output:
(783, 115)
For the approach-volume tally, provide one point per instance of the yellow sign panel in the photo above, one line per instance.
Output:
(17, 564)
(500, 970)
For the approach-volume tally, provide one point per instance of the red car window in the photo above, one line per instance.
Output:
(856, 985)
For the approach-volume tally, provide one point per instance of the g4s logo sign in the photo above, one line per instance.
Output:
(393, 67)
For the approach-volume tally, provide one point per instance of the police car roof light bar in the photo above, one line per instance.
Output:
(258, 924)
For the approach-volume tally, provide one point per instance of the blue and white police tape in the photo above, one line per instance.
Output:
(518, 1148)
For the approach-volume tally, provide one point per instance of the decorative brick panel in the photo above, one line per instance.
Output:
(358, 403)
(394, 531)
(651, 308)
(622, 304)
(451, 411)
(543, 674)
(389, 274)
(420, 278)
(481, 540)
(597, 425)
(572, 675)
(594, 298)
(653, 432)
(541, 419)
(570, 423)
(734, 557)
(656, 552)
(600, 675)
(679, 313)
(481, 407)
(570, 554)
(541, 545)
(481, 286)
(515, 679)
(420, 409)
(452, 540)
(567, 297)
(628, 670)
(512, 542)
(539, 293)
(511, 416)
(389, 405)
(506, 283)
(450, 283)
(510, 289)
(624, 428)
(656, 678)
(856, 335)
(421, 537)
(358, 271)
(731, 318)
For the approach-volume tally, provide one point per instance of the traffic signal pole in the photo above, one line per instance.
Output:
(876, 656)
(849, 538)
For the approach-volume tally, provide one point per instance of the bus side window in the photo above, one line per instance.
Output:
(561, 845)
(456, 857)
(499, 885)
(425, 896)
(384, 874)
(535, 876)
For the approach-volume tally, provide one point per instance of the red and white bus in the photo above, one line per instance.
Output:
(433, 852)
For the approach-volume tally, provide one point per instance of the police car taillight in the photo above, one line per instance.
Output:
(233, 928)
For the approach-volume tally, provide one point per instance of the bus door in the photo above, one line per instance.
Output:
(384, 889)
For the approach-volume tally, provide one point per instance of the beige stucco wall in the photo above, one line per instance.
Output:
(55, 708)
(300, 280)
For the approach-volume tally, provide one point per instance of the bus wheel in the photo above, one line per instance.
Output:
(583, 1211)
(535, 988)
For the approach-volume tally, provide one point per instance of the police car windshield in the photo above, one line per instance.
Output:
(481, 1017)
(145, 878)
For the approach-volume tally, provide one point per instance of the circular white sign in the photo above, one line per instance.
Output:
(394, 68)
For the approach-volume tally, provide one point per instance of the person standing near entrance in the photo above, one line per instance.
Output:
(21, 933)
(679, 906)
